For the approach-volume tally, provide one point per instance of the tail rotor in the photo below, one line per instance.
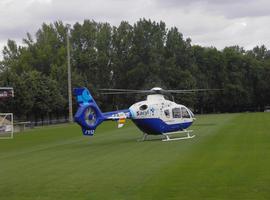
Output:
(88, 115)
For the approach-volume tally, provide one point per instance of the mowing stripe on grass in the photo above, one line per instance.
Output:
(228, 159)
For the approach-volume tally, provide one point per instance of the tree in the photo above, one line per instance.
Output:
(139, 56)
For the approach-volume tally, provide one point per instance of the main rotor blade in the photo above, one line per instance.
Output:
(121, 90)
(131, 91)
(192, 90)
(128, 92)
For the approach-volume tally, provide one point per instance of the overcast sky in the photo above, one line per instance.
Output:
(216, 23)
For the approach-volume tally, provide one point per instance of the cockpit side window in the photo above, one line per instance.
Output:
(167, 113)
(176, 113)
(185, 113)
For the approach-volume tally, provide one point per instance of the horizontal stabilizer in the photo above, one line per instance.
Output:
(121, 120)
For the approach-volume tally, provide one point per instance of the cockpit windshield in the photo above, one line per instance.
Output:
(179, 112)
(191, 113)
(185, 113)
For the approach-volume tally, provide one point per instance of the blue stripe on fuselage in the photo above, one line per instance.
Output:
(156, 126)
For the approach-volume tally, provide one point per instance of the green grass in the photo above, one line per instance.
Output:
(228, 159)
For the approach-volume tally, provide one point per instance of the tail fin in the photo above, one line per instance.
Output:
(88, 115)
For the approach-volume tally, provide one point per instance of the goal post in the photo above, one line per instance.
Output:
(6, 119)
(6, 126)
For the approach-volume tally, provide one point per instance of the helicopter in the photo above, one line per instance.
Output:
(154, 116)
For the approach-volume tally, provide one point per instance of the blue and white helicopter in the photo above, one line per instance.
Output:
(153, 116)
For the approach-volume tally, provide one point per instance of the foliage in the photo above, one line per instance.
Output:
(138, 56)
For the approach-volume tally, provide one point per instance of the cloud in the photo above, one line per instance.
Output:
(207, 22)
(228, 8)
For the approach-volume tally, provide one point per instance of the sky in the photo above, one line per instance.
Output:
(217, 23)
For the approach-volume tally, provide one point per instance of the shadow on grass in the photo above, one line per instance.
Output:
(205, 124)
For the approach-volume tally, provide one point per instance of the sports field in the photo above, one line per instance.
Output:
(228, 159)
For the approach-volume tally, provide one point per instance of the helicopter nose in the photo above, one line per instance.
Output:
(191, 114)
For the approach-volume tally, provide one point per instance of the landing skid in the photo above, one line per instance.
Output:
(188, 136)
(143, 138)
(167, 138)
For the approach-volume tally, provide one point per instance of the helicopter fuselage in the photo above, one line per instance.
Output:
(156, 115)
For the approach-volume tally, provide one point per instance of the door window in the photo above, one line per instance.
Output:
(176, 113)
(167, 113)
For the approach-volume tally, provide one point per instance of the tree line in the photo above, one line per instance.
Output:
(139, 56)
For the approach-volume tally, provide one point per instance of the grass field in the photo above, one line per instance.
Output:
(228, 159)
